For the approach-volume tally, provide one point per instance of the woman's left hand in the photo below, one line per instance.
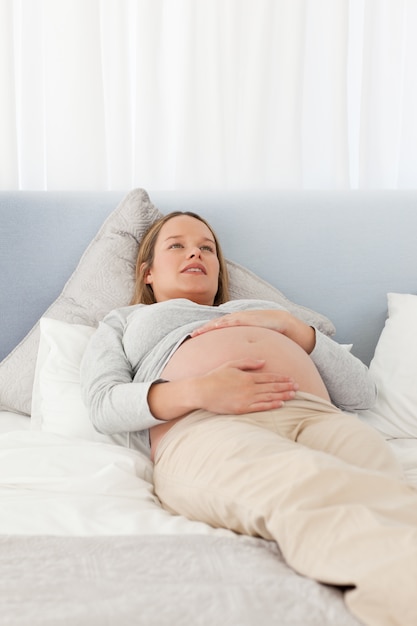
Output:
(273, 319)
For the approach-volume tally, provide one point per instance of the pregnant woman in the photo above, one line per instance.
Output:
(240, 406)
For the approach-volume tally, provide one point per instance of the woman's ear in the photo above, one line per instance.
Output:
(146, 273)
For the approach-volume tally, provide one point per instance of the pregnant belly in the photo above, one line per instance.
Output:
(199, 355)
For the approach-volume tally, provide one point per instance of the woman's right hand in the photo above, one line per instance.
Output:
(241, 386)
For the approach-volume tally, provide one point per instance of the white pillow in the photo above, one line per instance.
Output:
(57, 405)
(394, 368)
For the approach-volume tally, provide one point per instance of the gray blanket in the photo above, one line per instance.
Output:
(158, 581)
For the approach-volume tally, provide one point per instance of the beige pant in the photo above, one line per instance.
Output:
(319, 482)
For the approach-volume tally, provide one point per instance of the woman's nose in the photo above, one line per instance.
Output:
(194, 252)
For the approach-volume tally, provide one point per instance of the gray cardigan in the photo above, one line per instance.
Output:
(133, 344)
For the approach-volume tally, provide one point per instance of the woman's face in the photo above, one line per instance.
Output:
(185, 262)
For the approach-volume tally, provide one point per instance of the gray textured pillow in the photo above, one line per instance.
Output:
(104, 280)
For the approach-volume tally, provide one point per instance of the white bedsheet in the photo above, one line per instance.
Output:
(13, 421)
(51, 484)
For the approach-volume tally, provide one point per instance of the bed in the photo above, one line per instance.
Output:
(84, 540)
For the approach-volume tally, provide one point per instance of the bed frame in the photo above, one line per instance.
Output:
(338, 253)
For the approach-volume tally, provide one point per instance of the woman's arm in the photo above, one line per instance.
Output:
(348, 380)
(115, 404)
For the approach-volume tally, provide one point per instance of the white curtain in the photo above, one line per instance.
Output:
(203, 94)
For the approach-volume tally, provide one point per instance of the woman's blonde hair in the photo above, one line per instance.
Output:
(143, 292)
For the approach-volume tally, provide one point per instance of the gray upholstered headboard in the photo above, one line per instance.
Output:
(336, 252)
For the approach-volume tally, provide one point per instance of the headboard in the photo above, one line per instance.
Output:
(336, 252)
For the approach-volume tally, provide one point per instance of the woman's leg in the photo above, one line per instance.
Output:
(334, 522)
(318, 424)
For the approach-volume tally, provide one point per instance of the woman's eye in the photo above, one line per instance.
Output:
(207, 248)
(176, 245)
